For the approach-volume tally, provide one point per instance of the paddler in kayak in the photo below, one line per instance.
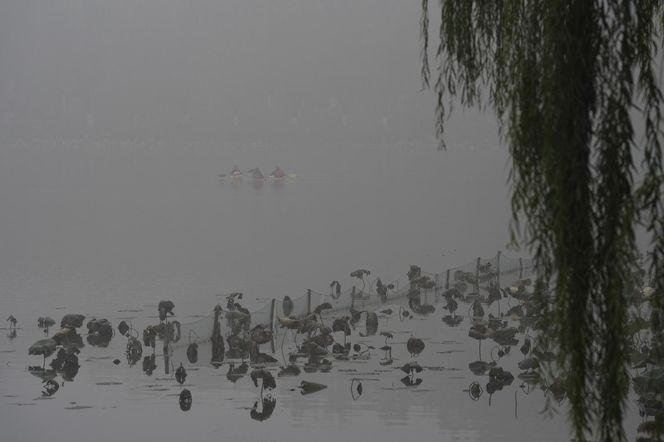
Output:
(257, 174)
(236, 172)
(277, 173)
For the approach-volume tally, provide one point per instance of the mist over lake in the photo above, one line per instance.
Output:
(120, 124)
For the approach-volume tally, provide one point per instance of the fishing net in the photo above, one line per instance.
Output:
(480, 278)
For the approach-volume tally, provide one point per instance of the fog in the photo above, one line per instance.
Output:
(118, 116)
(265, 71)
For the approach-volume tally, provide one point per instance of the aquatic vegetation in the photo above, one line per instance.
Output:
(479, 368)
(498, 378)
(335, 290)
(525, 348)
(134, 350)
(342, 325)
(474, 390)
(307, 387)
(268, 380)
(68, 336)
(415, 346)
(123, 328)
(66, 362)
(420, 309)
(382, 289)
(287, 306)
(45, 322)
(238, 347)
(72, 321)
(355, 316)
(321, 307)
(504, 336)
(261, 358)
(261, 335)
(234, 373)
(180, 374)
(360, 274)
(529, 364)
(478, 310)
(217, 340)
(452, 321)
(165, 308)
(371, 324)
(192, 353)
(290, 370)
(289, 323)
(317, 364)
(309, 324)
(150, 336)
(311, 346)
(149, 364)
(100, 332)
(43, 347)
(451, 306)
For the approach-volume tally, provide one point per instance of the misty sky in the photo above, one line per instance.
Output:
(117, 116)
(268, 70)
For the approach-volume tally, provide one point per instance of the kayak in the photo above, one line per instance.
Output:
(231, 176)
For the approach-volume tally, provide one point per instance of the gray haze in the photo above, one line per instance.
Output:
(270, 72)
(118, 116)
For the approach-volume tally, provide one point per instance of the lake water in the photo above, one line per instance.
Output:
(108, 229)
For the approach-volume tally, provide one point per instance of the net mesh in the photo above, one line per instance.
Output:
(478, 278)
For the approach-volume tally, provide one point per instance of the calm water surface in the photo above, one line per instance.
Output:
(108, 229)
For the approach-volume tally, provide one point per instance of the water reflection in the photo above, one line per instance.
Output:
(149, 364)
(346, 357)
(356, 389)
(133, 350)
(12, 321)
(185, 399)
(66, 362)
(49, 387)
(44, 323)
(234, 373)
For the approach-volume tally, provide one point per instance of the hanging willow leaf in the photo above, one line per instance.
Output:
(566, 80)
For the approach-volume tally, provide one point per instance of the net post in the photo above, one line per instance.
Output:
(165, 350)
(520, 268)
(308, 302)
(447, 279)
(352, 297)
(272, 308)
(498, 268)
(477, 276)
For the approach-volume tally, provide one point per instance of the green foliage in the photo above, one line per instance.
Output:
(566, 79)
